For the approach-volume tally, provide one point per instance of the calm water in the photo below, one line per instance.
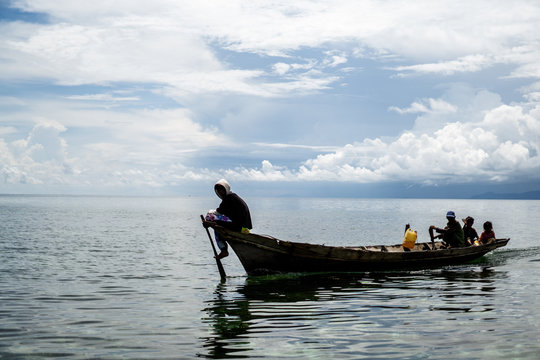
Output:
(133, 278)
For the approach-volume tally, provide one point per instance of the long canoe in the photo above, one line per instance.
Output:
(262, 254)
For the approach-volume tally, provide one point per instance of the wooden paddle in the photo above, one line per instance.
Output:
(218, 261)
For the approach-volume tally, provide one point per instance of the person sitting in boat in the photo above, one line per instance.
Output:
(488, 235)
(469, 232)
(232, 213)
(452, 234)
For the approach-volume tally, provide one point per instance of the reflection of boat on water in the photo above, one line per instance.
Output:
(319, 306)
(267, 304)
(265, 254)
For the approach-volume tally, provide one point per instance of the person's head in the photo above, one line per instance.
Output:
(451, 216)
(488, 226)
(222, 188)
(469, 221)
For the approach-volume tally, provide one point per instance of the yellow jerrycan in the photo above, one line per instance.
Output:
(409, 239)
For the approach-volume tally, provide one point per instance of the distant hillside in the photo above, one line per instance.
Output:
(529, 195)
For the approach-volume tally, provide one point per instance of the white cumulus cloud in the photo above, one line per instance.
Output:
(502, 146)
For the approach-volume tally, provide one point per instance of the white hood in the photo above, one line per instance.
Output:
(225, 184)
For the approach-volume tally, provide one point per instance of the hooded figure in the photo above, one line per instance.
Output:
(234, 208)
(223, 183)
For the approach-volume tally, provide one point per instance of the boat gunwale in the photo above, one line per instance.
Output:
(370, 249)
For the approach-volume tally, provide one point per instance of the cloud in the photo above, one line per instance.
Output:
(303, 84)
(281, 68)
(173, 43)
(137, 50)
(459, 103)
(211, 65)
(335, 58)
(297, 146)
(502, 146)
(128, 51)
(528, 70)
(40, 158)
(433, 106)
(469, 63)
(106, 145)
(141, 139)
(103, 97)
(267, 172)
(4, 130)
(45, 144)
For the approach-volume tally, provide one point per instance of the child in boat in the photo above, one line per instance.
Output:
(469, 232)
(488, 235)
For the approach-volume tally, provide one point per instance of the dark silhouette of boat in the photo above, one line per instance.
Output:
(262, 254)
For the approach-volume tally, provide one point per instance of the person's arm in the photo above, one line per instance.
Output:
(438, 229)
(431, 235)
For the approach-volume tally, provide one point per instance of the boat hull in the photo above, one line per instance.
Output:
(261, 254)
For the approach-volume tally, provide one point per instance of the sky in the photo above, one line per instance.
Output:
(329, 98)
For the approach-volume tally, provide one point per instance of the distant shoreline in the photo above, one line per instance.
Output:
(529, 195)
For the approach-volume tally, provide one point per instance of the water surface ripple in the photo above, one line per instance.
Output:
(460, 312)
(134, 278)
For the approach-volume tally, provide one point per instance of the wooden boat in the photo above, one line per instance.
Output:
(262, 254)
